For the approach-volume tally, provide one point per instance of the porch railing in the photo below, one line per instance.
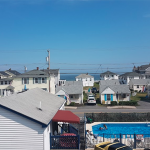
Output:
(64, 142)
(131, 140)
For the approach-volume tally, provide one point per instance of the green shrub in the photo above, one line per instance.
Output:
(103, 101)
(129, 103)
(72, 103)
(85, 97)
(113, 103)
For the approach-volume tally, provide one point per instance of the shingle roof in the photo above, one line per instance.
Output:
(116, 88)
(73, 83)
(84, 76)
(27, 104)
(52, 71)
(109, 82)
(14, 72)
(108, 73)
(130, 74)
(6, 79)
(140, 81)
(71, 89)
(4, 73)
(143, 67)
(33, 73)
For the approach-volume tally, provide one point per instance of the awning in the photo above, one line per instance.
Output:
(66, 116)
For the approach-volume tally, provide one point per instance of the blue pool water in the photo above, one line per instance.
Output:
(129, 129)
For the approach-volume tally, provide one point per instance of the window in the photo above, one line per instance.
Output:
(45, 89)
(86, 79)
(36, 80)
(90, 79)
(137, 86)
(1, 82)
(112, 75)
(71, 96)
(123, 95)
(25, 80)
(108, 97)
(5, 82)
(43, 80)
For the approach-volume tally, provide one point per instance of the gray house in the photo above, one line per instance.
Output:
(26, 119)
(72, 91)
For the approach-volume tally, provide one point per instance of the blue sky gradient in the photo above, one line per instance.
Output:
(96, 32)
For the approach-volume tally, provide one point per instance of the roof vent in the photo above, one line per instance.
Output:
(40, 106)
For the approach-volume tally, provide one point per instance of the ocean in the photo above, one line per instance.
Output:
(71, 77)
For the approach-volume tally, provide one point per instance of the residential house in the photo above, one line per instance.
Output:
(29, 80)
(126, 77)
(87, 79)
(108, 76)
(55, 73)
(12, 72)
(116, 93)
(139, 85)
(26, 119)
(3, 74)
(142, 69)
(72, 91)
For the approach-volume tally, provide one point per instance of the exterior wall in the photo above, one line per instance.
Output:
(126, 80)
(17, 132)
(17, 83)
(86, 81)
(135, 88)
(78, 100)
(47, 138)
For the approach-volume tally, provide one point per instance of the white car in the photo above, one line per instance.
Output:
(91, 100)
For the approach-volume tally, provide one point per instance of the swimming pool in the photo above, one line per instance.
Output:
(122, 128)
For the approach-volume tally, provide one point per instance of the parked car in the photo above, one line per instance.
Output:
(111, 146)
(91, 100)
(94, 90)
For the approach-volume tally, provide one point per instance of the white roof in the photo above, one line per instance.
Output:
(84, 76)
(27, 104)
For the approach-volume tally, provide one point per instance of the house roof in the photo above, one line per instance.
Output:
(142, 67)
(109, 82)
(73, 83)
(14, 72)
(27, 104)
(140, 81)
(70, 89)
(84, 76)
(33, 73)
(130, 74)
(108, 73)
(4, 73)
(116, 88)
(52, 71)
(6, 79)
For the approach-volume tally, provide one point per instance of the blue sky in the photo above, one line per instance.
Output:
(113, 33)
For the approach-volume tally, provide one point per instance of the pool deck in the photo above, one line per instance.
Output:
(89, 126)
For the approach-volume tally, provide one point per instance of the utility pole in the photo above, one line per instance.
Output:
(49, 68)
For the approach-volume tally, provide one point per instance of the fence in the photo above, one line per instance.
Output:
(131, 140)
(118, 117)
(64, 142)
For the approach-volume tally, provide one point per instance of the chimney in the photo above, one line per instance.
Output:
(9, 68)
(37, 68)
(40, 107)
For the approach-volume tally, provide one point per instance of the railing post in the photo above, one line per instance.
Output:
(50, 142)
(120, 138)
(134, 141)
(103, 137)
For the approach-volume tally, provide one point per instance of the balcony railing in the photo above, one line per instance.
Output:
(64, 142)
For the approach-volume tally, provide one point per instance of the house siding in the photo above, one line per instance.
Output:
(17, 132)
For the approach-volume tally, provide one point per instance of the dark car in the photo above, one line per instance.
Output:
(94, 90)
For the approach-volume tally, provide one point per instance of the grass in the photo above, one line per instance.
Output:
(96, 84)
(139, 96)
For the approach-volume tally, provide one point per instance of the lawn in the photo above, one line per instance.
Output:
(139, 96)
(96, 84)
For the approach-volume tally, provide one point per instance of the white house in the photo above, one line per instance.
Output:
(55, 73)
(116, 93)
(109, 82)
(72, 91)
(26, 119)
(108, 76)
(87, 79)
(125, 78)
(139, 85)
(29, 80)
(3, 75)
(12, 72)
